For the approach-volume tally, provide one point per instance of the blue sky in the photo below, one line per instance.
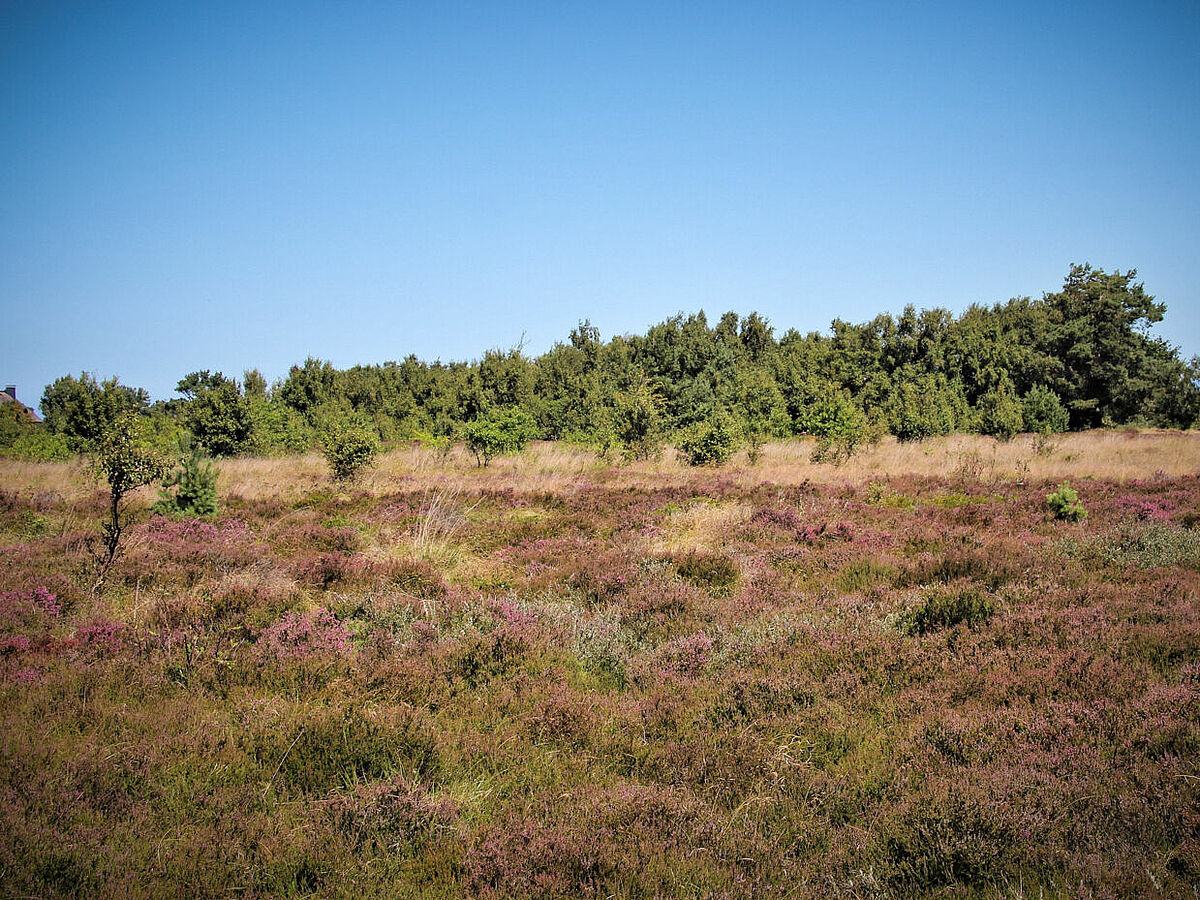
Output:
(235, 185)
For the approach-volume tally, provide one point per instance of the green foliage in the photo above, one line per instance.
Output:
(1065, 505)
(277, 428)
(14, 421)
(123, 457)
(216, 413)
(21, 438)
(840, 427)
(307, 387)
(758, 402)
(946, 607)
(924, 405)
(636, 422)
(1078, 358)
(195, 483)
(498, 432)
(82, 409)
(38, 445)
(254, 384)
(1043, 412)
(349, 449)
(713, 441)
(1108, 365)
(1000, 411)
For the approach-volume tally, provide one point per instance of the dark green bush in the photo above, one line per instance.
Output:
(712, 442)
(349, 449)
(840, 427)
(195, 483)
(498, 432)
(636, 423)
(1043, 411)
(1000, 412)
(945, 608)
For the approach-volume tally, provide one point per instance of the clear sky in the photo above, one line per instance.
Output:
(232, 185)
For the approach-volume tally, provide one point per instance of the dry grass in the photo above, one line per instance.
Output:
(68, 480)
(441, 517)
(702, 525)
(286, 477)
(558, 468)
(1114, 455)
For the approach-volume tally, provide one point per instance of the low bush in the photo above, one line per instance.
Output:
(498, 432)
(195, 483)
(1065, 505)
(840, 428)
(349, 450)
(712, 442)
(945, 608)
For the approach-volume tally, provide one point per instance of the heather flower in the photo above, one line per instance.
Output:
(300, 635)
(24, 609)
(100, 637)
(25, 675)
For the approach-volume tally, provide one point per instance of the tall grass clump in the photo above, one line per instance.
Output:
(440, 517)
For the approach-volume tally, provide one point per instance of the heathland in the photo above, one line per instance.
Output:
(560, 676)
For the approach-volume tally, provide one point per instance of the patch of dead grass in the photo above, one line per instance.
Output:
(1117, 455)
(701, 525)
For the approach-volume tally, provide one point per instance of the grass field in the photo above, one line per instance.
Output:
(559, 677)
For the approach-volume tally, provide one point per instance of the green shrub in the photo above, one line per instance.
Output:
(122, 457)
(1065, 505)
(712, 442)
(636, 423)
(277, 428)
(1043, 411)
(945, 608)
(924, 405)
(1000, 412)
(349, 449)
(216, 413)
(39, 445)
(195, 483)
(840, 427)
(498, 432)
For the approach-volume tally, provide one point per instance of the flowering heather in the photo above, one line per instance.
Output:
(20, 607)
(396, 817)
(323, 570)
(100, 637)
(685, 656)
(299, 635)
(637, 681)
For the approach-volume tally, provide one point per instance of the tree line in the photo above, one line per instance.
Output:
(1082, 357)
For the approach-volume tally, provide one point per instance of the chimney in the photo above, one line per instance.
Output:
(11, 390)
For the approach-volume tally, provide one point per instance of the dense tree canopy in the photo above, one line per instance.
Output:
(1081, 357)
